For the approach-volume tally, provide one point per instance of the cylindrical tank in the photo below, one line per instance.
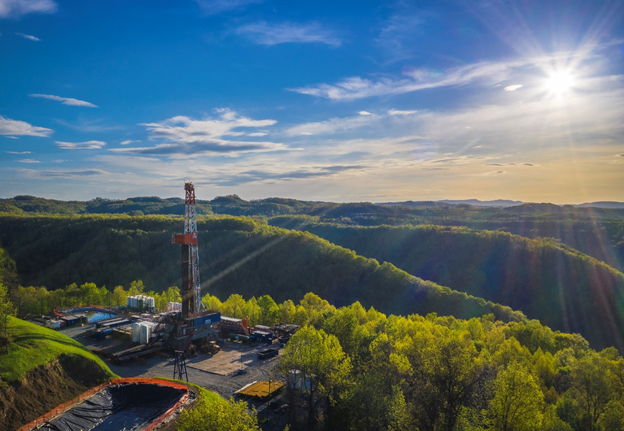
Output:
(135, 332)
(145, 334)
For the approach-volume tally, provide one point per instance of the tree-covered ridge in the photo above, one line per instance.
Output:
(364, 370)
(8, 270)
(598, 232)
(545, 279)
(236, 254)
(243, 255)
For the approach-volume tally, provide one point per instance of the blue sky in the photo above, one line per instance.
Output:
(338, 101)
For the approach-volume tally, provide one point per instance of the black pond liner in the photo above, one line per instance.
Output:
(118, 407)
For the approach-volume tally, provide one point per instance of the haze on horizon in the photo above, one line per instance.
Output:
(374, 101)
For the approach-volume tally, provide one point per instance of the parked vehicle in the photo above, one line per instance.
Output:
(267, 353)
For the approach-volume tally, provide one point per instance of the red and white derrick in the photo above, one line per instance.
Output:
(191, 284)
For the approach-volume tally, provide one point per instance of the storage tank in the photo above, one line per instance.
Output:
(136, 332)
(145, 333)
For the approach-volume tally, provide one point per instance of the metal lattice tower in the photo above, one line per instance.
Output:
(191, 283)
(179, 370)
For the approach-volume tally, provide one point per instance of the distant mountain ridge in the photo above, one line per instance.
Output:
(473, 202)
(498, 203)
(221, 204)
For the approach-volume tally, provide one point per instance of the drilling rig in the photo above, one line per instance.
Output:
(194, 325)
(191, 284)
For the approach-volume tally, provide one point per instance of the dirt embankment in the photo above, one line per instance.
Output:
(45, 387)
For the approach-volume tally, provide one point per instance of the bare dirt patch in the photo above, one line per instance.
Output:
(45, 387)
(230, 359)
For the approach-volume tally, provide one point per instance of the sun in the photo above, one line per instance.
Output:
(560, 82)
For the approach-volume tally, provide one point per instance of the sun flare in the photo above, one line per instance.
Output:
(560, 82)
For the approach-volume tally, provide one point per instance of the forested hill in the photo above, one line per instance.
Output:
(598, 232)
(8, 270)
(237, 255)
(545, 279)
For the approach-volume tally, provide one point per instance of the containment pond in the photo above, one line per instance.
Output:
(121, 406)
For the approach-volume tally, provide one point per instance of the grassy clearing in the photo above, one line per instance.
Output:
(34, 346)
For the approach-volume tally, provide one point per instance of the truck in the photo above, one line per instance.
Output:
(268, 353)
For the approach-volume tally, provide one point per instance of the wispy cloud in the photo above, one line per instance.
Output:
(29, 161)
(288, 175)
(127, 142)
(400, 29)
(212, 7)
(184, 129)
(187, 137)
(192, 149)
(29, 37)
(65, 100)
(62, 174)
(17, 8)
(264, 33)
(17, 152)
(333, 125)
(88, 145)
(22, 128)
(357, 87)
(399, 112)
(513, 87)
(90, 126)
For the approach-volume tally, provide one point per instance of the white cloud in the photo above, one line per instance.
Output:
(263, 33)
(184, 129)
(187, 137)
(61, 174)
(65, 100)
(257, 134)
(22, 128)
(29, 161)
(88, 145)
(513, 87)
(357, 87)
(212, 7)
(17, 8)
(399, 112)
(333, 125)
(364, 113)
(17, 152)
(126, 142)
(29, 37)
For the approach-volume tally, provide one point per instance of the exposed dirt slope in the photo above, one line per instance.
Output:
(45, 387)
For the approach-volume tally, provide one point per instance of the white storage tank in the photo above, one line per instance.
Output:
(136, 336)
(146, 332)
